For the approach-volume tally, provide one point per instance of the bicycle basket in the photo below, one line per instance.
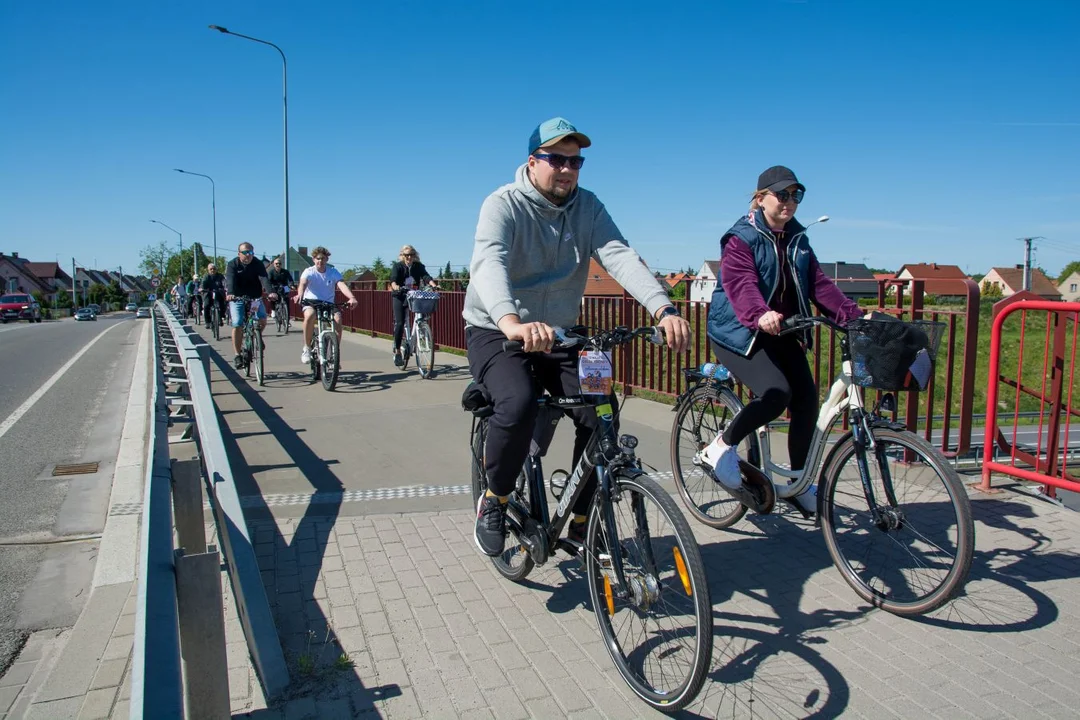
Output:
(892, 354)
(423, 302)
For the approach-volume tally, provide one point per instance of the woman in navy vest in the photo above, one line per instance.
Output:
(769, 272)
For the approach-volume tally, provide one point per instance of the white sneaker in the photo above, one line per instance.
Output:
(305, 356)
(725, 462)
(271, 314)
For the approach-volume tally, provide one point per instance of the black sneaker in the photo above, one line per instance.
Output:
(490, 533)
(575, 532)
(398, 360)
(238, 362)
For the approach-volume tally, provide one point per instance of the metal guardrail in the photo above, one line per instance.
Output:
(172, 582)
(156, 679)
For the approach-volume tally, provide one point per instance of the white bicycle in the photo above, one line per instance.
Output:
(418, 340)
(895, 515)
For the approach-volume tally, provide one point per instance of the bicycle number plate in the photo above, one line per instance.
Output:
(594, 372)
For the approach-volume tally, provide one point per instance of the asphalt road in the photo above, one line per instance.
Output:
(48, 525)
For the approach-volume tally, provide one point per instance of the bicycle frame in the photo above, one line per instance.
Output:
(601, 451)
(844, 397)
(324, 321)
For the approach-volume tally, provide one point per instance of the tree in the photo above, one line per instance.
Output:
(115, 293)
(381, 270)
(1068, 270)
(97, 293)
(990, 290)
(446, 273)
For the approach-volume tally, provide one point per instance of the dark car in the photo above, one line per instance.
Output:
(95, 307)
(85, 313)
(19, 306)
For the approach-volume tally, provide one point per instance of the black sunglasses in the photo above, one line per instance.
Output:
(408, 254)
(246, 252)
(785, 195)
(560, 161)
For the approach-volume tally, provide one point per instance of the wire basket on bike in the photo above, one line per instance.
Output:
(892, 354)
(423, 302)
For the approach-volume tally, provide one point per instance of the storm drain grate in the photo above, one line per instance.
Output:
(76, 469)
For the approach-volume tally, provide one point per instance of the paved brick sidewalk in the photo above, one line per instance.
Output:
(428, 629)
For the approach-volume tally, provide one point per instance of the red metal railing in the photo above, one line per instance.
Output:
(643, 366)
(1048, 459)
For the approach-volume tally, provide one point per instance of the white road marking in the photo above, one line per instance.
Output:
(32, 400)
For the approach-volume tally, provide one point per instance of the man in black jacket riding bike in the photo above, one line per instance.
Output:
(280, 280)
(245, 278)
(212, 290)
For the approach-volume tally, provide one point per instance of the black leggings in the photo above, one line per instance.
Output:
(401, 307)
(777, 372)
(507, 377)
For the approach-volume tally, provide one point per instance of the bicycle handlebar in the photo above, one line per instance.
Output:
(604, 340)
(796, 323)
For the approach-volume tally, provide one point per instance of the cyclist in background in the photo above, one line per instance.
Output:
(213, 291)
(525, 280)
(768, 272)
(245, 279)
(280, 280)
(319, 283)
(191, 289)
(406, 274)
(180, 293)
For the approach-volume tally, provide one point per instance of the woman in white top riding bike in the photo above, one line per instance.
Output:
(768, 272)
(319, 283)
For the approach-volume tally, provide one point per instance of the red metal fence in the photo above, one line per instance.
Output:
(647, 367)
(1042, 379)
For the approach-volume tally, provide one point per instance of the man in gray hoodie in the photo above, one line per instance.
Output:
(528, 272)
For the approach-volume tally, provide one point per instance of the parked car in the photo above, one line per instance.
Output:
(95, 307)
(131, 307)
(19, 306)
(85, 313)
(143, 312)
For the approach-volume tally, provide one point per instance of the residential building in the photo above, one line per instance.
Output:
(52, 275)
(701, 289)
(1070, 288)
(299, 261)
(16, 276)
(600, 282)
(1011, 281)
(854, 279)
(940, 280)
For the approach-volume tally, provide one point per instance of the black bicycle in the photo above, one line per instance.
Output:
(215, 315)
(281, 313)
(324, 348)
(251, 348)
(647, 582)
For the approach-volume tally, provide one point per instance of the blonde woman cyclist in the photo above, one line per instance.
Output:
(408, 273)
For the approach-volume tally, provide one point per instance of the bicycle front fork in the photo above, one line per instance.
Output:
(885, 517)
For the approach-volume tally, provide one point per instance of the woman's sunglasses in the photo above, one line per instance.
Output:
(785, 195)
(560, 161)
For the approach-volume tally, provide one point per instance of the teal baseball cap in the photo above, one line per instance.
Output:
(553, 130)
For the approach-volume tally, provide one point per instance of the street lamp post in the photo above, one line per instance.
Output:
(181, 245)
(285, 108)
(213, 203)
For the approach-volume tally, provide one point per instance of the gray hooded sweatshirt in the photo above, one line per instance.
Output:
(531, 257)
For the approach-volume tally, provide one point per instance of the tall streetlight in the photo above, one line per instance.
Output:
(285, 107)
(181, 246)
(213, 202)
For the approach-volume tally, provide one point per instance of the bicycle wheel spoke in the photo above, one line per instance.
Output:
(655, 634)
(911, 557)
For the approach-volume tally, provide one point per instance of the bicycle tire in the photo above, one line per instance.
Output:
(908, 535)
(215, 318)
(696, 425)
(313, 353)
(279, 315)
(425, 349)
(246, 350)
(515, 563)
(257, 353)
(685, 636)
(330, 361)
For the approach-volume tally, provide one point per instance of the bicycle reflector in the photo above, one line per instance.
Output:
(683, 575)
(609, 596)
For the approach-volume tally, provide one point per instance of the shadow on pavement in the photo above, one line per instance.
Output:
(319, 667)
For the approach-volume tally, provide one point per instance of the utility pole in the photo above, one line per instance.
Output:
(74, 297)
(1027, 260)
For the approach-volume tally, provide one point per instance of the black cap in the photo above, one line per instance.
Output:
(778, 177)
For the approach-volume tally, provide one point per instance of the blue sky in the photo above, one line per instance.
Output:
(928, 131)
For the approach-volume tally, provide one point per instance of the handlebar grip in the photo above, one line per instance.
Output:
(512, 345)
(791, 323)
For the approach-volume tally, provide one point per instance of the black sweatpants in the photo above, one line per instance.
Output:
(507, 377)
(779, 376)
(400, 304)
